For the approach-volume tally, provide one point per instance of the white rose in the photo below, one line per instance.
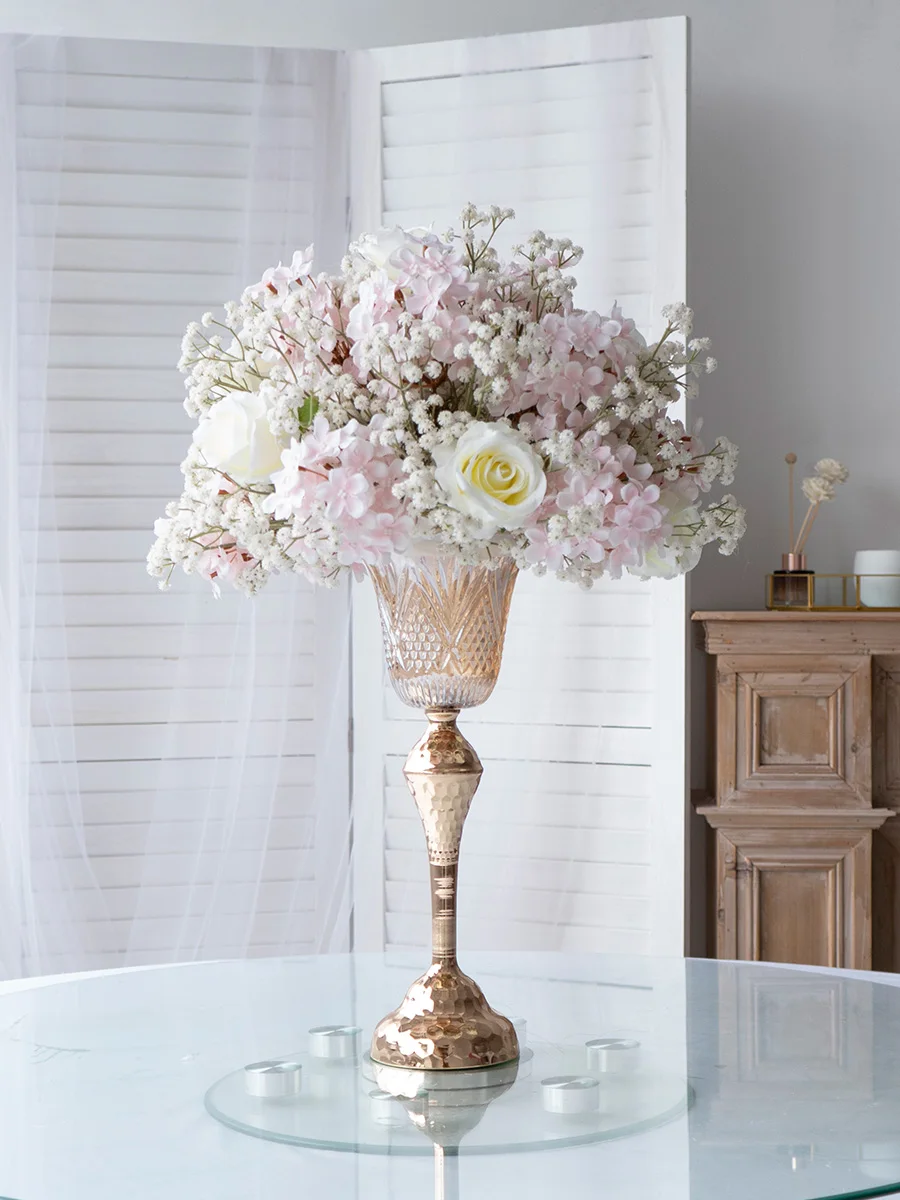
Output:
(492, 474)
(235, 438)
(680, 554)
(377, 248)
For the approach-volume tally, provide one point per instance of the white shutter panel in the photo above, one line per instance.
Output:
(575, 839)
(182, 725)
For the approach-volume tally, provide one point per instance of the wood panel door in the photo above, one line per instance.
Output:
(794, 895)
(794, 730)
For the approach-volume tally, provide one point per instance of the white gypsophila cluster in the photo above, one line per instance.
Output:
(431, 397)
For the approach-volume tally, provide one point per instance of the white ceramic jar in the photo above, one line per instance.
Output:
(875, 592)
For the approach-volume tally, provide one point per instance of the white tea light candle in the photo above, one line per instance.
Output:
(875, 592)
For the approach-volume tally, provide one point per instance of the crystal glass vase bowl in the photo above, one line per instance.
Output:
(443, 625)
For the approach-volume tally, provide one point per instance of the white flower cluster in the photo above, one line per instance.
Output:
(430, 396)
(822, 486)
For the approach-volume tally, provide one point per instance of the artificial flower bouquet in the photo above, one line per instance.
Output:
(432, 398)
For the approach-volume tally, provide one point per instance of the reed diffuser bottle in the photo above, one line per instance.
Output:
(794, 585)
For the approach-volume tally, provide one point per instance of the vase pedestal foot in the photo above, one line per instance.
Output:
(444, 1023)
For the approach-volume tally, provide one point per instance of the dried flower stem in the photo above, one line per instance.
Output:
(797, 547)
(791, 460)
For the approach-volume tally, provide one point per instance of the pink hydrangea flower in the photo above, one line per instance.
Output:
(377, 305)
(345, 493)
(635, 515)
(584, 489)
(574, 383)
(277, 280)
(431, 278)
(223, 563)
(342, 477)
(625, 340)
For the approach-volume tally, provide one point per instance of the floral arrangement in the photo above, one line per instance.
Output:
(818, 488)
(432, 398)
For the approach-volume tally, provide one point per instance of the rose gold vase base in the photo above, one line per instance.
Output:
(444, 1023)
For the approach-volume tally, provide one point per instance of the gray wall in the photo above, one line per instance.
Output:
(793, 214)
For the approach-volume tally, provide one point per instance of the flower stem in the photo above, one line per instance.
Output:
(797, 547)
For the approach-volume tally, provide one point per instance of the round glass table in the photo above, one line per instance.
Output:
(639, 1079)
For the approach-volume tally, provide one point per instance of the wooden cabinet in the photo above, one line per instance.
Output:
(805, 740)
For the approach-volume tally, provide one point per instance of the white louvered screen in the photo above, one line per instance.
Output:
(186, 714)
(575, 839)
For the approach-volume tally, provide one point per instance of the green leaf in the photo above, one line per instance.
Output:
(307, 411)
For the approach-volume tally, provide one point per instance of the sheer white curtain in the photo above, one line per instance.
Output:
(175, 776)
(176, 769)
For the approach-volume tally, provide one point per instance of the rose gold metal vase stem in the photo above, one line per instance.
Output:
(445, 1020)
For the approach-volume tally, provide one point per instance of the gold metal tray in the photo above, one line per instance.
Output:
(791, 591)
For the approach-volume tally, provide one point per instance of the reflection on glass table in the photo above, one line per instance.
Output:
(336, 1098)
(640, 1078)
(553, 1096)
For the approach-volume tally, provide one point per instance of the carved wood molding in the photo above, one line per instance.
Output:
(795, 818)
(794, 633)
(886, 731)
(789, 727)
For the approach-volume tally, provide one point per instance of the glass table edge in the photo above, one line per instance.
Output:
(463, 1151)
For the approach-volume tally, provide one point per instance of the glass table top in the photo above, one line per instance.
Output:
(641, 1078)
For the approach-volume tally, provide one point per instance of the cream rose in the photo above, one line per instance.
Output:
(492, 474)
(378, 248)
(234, 437)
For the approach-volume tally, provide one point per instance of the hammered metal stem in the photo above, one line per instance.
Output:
(443, 773)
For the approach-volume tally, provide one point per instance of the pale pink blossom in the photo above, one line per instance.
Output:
(373, 541)
(541, 550)
(425, 291)
(516, 400)
(277, 280)
(431, 278)
(583, 489)
(319, 445)
(592, 334)
(345, 493)
(305, 465)
(557, 328)
(628, 464)
(377, 305)
(538, 427)
(609, 468)
(634, 516)
(454, 330)
(321, 302)
(554, 554)
(569, 385)
(222, 563)
(625, 339)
